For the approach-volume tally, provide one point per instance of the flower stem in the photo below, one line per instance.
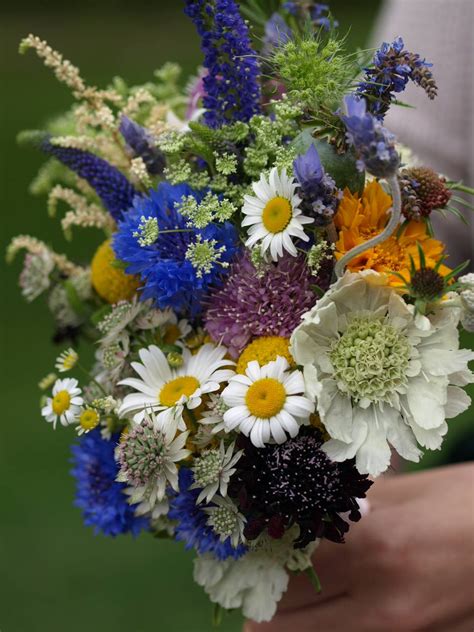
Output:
(387, 231)
(314, 579)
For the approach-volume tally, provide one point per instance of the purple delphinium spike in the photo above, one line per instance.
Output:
(232, 89)
(140, 142)
(393, 67)
(317, 189)
(374, 145)
(108, 182)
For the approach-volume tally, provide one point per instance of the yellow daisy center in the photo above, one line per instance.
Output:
(172, 334)
(265, 350)
(265, 398)
(89, 419)
(172, 391)
(277, 214)
(61, 402)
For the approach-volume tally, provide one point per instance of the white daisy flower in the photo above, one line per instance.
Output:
(167, 390)
(147, 456)
(274, 215)
(67, 360)
(267, 402)
(175, 330)
(213, 470)
(382, 375)
(65, 404)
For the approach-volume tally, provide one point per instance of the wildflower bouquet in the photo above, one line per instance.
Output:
(271, 313)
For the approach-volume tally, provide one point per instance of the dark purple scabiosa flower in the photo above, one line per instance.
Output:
(266, 302)
(374, 145)
(102, 499)
(113, 188)
(193, 526)
(317, 189)
(279, 486)
(140, 144)
(232, 90)
(423, 191)
(393, 67)
(154, 240)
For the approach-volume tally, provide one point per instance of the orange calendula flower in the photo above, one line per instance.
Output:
(359, 218)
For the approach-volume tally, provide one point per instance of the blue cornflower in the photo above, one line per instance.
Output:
(393, 67)
(277, 33)
(98, 494)
(374, 145)
(192, 527)
(317, 189)
(159, 257)
(140, 143)
(109, 183)
(232, 90)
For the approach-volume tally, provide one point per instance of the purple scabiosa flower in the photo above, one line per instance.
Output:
(254, 303)
(318, 191)
(108, 182)
(193, 526)
(232, 90)
(154, 238)
(296, 483)
(140, 144)
(102, 499)
(393, 67)
(374, 145)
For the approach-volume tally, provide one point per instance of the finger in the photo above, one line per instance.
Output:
(336, 615)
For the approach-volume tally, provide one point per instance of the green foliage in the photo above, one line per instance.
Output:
(315, 70)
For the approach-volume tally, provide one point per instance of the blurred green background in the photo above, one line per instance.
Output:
(55, 574)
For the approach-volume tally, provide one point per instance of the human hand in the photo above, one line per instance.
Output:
(408, 565)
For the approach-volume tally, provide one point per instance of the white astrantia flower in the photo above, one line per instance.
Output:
(212, 471)
(267, 402)
(65, 404)
(381, 375)
(67, 360)
(167, 391)
(226, 520)
(274, 216)
(147, 456)
(255, 583)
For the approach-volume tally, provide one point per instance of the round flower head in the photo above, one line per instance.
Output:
(280, 294)
(167, 390)
(67, 360)
(65, 404)
(154, 239)
(267, 402)
(195, 526)
(381, 374)
(274, 216)
(296, 483)
(147, 455)
(100, 496)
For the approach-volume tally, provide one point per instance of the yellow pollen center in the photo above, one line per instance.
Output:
(277, 214)
(172, 391)
(172, 334)
(264, 349)
(265, 398)
(61, 402)
(89, 419)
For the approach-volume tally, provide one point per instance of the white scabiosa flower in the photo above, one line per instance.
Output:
(67, 360)
(274, 216)
(167, 390)
(382, 376)
(212, 471)
(267, 402)
(147, 456)
(65, 404)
